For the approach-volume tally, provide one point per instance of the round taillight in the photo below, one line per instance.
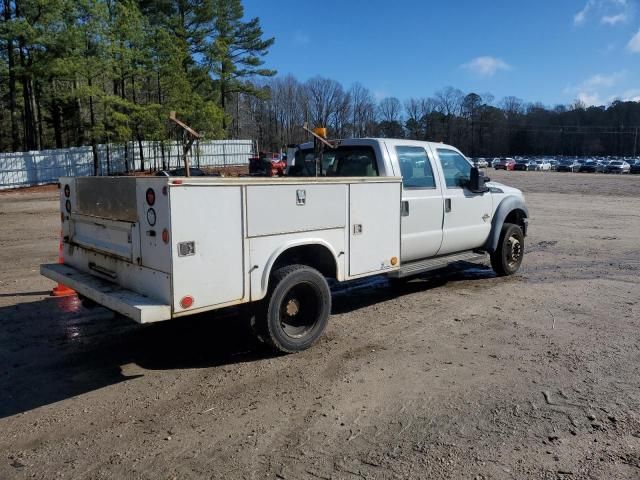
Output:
(151, 196)
(165, 235)
(67, 191)
(67, 206)
(186, 302)
(151, 217)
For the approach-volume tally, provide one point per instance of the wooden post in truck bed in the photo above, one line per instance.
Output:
(192, 135)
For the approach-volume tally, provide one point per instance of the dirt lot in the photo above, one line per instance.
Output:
(462, 375)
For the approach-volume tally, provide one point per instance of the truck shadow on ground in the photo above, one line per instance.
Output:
(54, 349)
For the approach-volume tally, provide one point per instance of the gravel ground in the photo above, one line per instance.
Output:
(457, 375)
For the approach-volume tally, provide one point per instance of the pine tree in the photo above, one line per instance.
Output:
(237, 52)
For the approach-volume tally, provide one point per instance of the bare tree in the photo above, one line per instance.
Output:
(512, 107)
(449, 100)
(390, 109)
(325, 97)
(362, 110)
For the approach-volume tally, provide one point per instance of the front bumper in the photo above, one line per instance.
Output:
(137, 307)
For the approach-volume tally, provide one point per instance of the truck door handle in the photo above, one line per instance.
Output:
(404, 208)
(447, 204)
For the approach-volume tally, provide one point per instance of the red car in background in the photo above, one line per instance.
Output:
(267, 164)
(505, 164)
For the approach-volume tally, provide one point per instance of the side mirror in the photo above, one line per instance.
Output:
(476, 181)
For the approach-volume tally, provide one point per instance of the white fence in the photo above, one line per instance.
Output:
(21, 169)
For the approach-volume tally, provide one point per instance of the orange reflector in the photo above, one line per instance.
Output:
(186, 302)
(165, 235)
(394, 261)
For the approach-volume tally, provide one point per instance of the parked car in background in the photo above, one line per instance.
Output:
(481, 162)
(568, 166)
(618, 166)
(635, 167)
(543, 165)
(526, 165)
(554, 164)
(592, 166)
(494, 162)
(505, 164)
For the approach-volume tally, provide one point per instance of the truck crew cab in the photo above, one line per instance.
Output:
(155, 249)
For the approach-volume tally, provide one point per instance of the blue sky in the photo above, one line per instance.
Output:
(552, 51)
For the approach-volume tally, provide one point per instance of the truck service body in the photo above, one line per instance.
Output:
(157, 248)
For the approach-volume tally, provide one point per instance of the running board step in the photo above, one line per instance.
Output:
(421, 266)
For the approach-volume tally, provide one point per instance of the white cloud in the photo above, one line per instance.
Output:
(589, 98)
(601, 80)
(580, 17)
(486, 66)
(632, 95)
(634, 43)
(611, 12)
(590, 90)
(614, 19)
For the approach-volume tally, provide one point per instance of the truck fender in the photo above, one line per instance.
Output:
(507, 206)
(266, 272)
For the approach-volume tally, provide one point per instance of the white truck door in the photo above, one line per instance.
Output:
(467, 215)
(422, 204)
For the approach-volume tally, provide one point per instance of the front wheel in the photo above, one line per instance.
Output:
(507, 258)
(296, 310)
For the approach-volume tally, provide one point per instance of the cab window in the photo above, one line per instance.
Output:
(456, 168)
(355, 161)
(415, 167)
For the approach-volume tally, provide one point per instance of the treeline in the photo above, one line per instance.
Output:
(84, 72)
(475, 123)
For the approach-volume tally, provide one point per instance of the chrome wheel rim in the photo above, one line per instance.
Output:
(514, 251)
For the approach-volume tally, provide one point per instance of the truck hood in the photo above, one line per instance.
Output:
(504, 189)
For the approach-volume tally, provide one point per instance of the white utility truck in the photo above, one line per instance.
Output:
(160, 248)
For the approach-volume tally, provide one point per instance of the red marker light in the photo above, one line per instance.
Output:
(186, 302)
(151, 196)
(165, 235)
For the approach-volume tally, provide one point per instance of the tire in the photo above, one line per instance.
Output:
(507, 258)
(295, 313)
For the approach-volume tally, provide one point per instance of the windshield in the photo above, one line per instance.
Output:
(356, 161)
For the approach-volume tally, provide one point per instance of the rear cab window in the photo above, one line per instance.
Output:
(347, 161)
(415, 167)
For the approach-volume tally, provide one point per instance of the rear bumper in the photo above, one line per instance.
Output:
(137, 307)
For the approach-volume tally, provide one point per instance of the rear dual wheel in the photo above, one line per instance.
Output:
(295, 313)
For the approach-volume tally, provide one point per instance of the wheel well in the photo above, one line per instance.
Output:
(517, 217)
(315, 256)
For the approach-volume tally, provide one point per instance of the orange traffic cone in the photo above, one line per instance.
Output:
(61, 290)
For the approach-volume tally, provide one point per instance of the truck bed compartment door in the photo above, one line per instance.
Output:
(112, 237)
(207, 245)
(374, 226)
